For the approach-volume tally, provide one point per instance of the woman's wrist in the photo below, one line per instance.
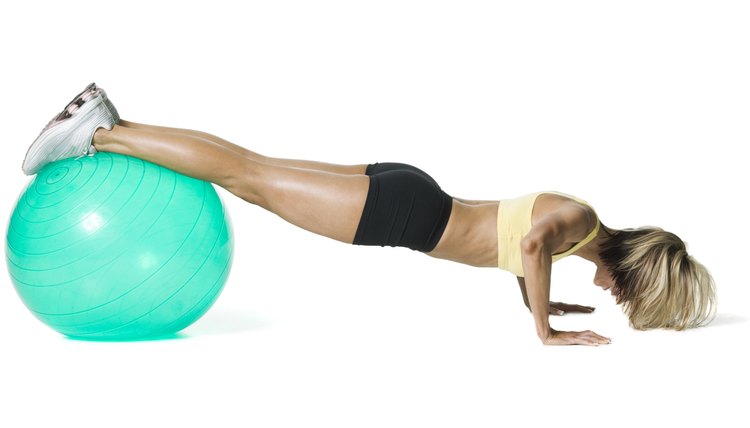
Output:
(543, 330)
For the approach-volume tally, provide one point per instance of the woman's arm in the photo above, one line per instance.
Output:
(522, 286)
(555, 308)
(568, 224)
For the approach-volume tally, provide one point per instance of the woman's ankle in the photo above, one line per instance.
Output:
(103, 138)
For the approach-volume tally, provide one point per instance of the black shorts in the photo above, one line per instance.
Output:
(405, 207)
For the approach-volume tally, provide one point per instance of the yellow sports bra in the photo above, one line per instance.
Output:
(514, 222)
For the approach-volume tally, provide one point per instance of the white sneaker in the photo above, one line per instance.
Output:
(69, 134)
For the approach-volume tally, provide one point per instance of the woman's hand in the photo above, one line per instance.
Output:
(555, 308)
(559, 308)
(587, 337)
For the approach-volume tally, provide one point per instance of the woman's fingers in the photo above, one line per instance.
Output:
(555, 311)
(583, 340)
(559, 308)
(579, 308)
(598, 339)
(587, 337)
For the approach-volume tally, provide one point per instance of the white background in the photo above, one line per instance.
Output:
(639, 107)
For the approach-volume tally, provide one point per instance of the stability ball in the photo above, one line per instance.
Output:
(110, 247)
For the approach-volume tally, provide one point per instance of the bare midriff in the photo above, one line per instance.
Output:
(470, 237)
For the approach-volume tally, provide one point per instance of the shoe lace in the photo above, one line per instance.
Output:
(88, 94)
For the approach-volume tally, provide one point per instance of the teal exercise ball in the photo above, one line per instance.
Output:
(110, 247)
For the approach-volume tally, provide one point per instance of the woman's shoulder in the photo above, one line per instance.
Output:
(555, 195)
(548, 201)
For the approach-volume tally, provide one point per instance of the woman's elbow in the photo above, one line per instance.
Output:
(530, 245)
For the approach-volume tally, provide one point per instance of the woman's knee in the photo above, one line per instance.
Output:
(244, 180)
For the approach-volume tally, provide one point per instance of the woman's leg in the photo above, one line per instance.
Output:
(319, 166)
(322, 202)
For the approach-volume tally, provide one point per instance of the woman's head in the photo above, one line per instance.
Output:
(656, 281)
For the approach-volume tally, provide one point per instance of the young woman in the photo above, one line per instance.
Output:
(648, 270)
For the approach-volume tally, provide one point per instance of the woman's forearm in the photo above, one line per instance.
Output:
(537, 266)
(524, 295)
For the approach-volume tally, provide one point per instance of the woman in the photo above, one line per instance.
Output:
(648, 269)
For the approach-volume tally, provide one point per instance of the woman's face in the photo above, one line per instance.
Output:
(603, 279)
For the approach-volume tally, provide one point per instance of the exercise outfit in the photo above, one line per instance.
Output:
(405, 207)
(514, 222)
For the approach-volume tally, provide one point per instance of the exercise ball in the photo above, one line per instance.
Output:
(110, 247)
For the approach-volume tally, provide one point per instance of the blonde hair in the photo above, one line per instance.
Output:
(659, 284)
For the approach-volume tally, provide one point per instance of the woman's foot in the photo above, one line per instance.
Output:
(69, 133)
